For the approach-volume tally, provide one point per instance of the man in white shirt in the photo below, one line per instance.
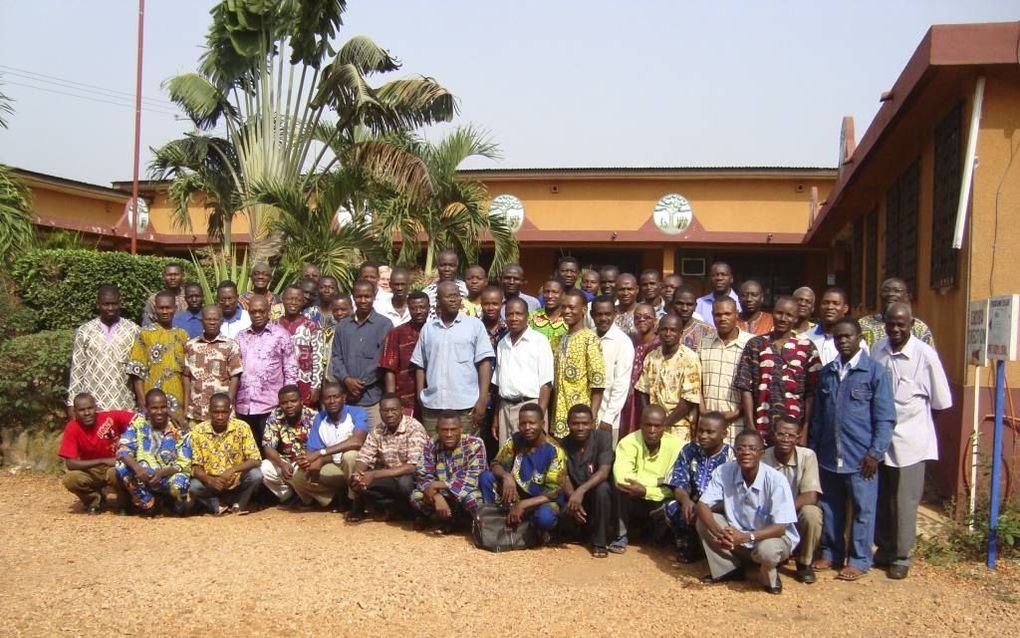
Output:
(334, 440)
(235, 318)
(834, 306)
(392, 304)
(524, 369)
(919, 386)
(618, 353)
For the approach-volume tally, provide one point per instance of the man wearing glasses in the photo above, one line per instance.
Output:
(747, 515)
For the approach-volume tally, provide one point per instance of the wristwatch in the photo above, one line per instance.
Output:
(323, 452)
(752, 536)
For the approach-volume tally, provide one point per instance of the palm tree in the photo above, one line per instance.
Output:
(16, 232)
(314, 233)
(272, 78)
(203, 166)
(455, 215)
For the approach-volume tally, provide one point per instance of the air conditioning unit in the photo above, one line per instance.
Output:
(692, 267)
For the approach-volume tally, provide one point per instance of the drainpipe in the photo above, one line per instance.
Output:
(961, 221)
(968, 162)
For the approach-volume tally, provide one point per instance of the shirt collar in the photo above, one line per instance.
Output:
(439, 320)
(856, 362)
(908, 351)
(758, 480)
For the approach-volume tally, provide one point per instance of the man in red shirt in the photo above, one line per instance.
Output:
(395, 359)
(88, 448)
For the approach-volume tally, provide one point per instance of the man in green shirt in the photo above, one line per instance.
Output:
(644, 461)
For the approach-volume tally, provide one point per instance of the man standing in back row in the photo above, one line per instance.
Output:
(722, 286)
(99, 357)
(357, 345)
(919, 386)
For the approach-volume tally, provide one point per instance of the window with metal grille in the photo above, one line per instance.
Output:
(946, 197)
(871, 259)
(901, 211)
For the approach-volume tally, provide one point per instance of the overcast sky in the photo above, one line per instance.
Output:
(591, 83)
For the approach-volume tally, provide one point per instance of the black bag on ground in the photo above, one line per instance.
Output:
(490, 531)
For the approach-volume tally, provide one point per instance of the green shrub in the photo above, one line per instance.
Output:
(15, 318)
(60, 286)
(958, 542)
(33, 379)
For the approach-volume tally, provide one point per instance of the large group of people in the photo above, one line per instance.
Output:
(611, 407)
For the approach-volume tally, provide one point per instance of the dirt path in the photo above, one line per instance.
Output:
(275, 573)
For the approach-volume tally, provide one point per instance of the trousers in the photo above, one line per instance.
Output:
(393, 494)
(88, 485)
(332, 479)
(598, 505)
(273, 479)
(767, 554)
(241, 494)
(544, 516)
(837, 491)
(143, 496)
(899, 495)
(809, 526)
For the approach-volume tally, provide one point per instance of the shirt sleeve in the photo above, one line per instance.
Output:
(505, 456)
(69, 442)
(290, 366)
(420, 355)
(680, 476)
(318, 344)
(128, 444)
(416, 443)
(940, 397)
(713, 494)
(138, 360)
(596, 362)
(883, 414)
(271, 434)
(746, 377)
(184, 454)
(616, 396)
(690, 384)
(466, 479)
(388, 357)
(369, 450)
(78, 356)
(626, 455)
(360, 418)
(314, 439)
(783, 510)
(249, 450)
(809, 480)
(483, 346)
(813, 369)
(234, 362)
(337, 361)
(644, 379)
(553, 475)
(546, 369)
(425, 471)
(604, 454)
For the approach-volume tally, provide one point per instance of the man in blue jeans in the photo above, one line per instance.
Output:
(525, 475)
(850, 431)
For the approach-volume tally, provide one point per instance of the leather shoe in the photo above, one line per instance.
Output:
(736, 574)
(777, 588)
(898, 572)
(805, 574)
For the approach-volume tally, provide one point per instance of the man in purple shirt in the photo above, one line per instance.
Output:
(267, 354)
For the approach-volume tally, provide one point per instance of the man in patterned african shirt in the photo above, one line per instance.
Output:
(446, 477)
(526, 473)
(212, 363)
(307, 337)
(99, 357)
(157, 358)
(777, 373)
(284, 442)
(154, 457)
(690, 477)
(579, 366)
(225, 460)
(671, 378)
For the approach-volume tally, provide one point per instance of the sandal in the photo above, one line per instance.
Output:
(599, 552)
(618, 546)
(821, 564)
(850, 574)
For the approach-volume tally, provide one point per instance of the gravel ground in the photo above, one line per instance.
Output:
(276, 573)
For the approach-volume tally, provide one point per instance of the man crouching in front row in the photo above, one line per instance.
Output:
(747, 514)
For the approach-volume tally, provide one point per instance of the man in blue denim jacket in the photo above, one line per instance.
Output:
(850, 431)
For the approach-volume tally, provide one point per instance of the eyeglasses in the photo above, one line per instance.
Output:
(748, 448)
(643, 316)
(784, 435)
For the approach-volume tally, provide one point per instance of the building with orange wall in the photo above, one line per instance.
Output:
(893, 210)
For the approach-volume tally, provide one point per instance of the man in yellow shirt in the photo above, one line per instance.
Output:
(225, 459)
(671, 378)
(644, 461)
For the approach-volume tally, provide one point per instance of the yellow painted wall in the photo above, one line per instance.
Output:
(161, 215)
(80, 208)
(721, 205)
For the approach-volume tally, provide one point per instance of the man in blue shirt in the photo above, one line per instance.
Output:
(336, 435)
(454, 359)
(746, 514)
(357, 345)
(722, 286)
(850, 431)
(190, 319)
(511, 281)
